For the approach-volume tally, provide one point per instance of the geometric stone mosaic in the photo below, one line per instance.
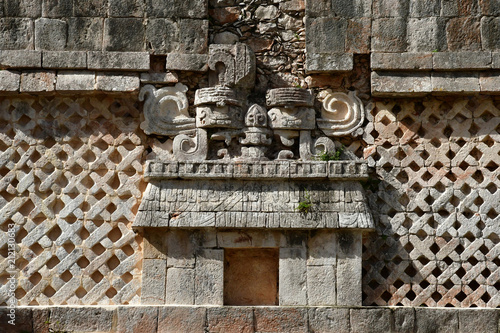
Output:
(71, 182)
(437, 205)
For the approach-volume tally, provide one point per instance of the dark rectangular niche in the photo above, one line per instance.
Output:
(251, 276)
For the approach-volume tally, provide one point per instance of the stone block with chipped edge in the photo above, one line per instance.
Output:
(349, 270)
(137, 319)
(209, 277)
(168, 77)
(9, 81)
(75, 81)
(461, 60)
(187, 62)
(154, 275)
(181, 319)
(114, 82)
(401, 83)
(292, 276)
(436, 320)
(64, 59)
(20, 59)
(180, 288)
(401, 61)
(464, 82)
(135, 61)
(370, 320)
(328, 62)
(329, 319)
(38, 81)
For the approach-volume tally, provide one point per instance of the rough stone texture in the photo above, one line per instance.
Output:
(176, 8)
(117, 82)
(137, 61)
(349, 268)
(230, 319)
(85, 33)
(426, 34)
(81, 319)
(137, 319)
(63, 60)
(124, 34)
(20, 59)
(370, 320)
(489, 82)
(455, 82)
(321, 285)
(22, 8)
(461, 60)
(280, 320)
(327, 35)
(438, 321)
(75, 81)
(292, 277)
(180, 286)
(400, 83)
(37, 81)
(328, 320)
(209, 288)
(50, 34)
(126, 8)
(463, 33)
(153, 281)
(320, 63)
(389, 35)
(490, 29)
(9, 80)
(187, 62)
(16, 34)
(181, 319)
(53, 9)
(402, 61)
(478, 319)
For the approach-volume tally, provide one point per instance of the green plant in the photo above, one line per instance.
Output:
(331, 156)
(306, 204)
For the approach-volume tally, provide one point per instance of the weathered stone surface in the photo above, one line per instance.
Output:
(85, 33)
(292, 276)
(124, 34)
(321, 285)
(390, 8)
(401, 61)
(75, 81)
(117, 82)
(52, 8)
(280, 320)
(162, 35)
(452, 8)
(168, 77)
(16, 34)
(81, 319)
(320, 63)
(137, 319)
(20, 59)
(209, 277)
(193, 36)
(225, 14)
(322, 248)
(176, 8)
(473, 320)
(370, 320)
(404, 320)
(9, 80)
(180, 286)
(389, 35)
(325, 35)
(41, 319)
(63, 59)
(154, 246)
(388, 83)
(50, 34)
(181, 319)
(357, 39)
(22, 317)
(461, 60)
(154, 274)
(126, 8)
(138, 61)
(426, 34)
(463, 33)
(36, 81)
(187, 62)
(436, 320)
(489, 82)
(90, 8)
(490, 29)
(424, 9)
(349, 271)
(230, 319)
(323, 320)
(489, 7)
(266, 12)
(455, 82)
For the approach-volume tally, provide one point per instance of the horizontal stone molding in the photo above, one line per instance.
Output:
(333, 170)
(329, 62)
(192, 319)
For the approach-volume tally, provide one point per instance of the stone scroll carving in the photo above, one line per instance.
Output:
(228, 125)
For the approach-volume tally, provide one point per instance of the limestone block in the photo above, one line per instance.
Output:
(85, 33)
(50, 34)
(16, 34)
(176, 8)
(21, 8)
(490, 28)
(292, 277)
(35, 81)
(322, 248)
(401, 61)
(328, 62)
(358, 34)
(23, 319)
(328, 320)
(137, 61)
(126, 8)
(163, 78)
(90, 8)
(40, 317)
(400, 83)
(350, 9)
(64, 59)
(180, 286)
(463, 34)
(162, 35)
(75, 81)
(427, 9)
(389, 35)
(227, 319)
(193, 36)
(474, 320)
(9, 80)
(318, 8)
(461, 60)
(451, 8)
(390, 8)
(404, 320)
(181, 319)
(349, 272)
(117, 82)
(455, 82)
(489, 81)
(124, 34)
(280, 319)
(57, 8)
(436, 320)
(321, 285)
(370, 320)
(426, 34)
(20, 59)
(209, 277)
(137, 319)
(180, 249)
(187, 62)
(89, 319)
(154, 275)
(325, 35)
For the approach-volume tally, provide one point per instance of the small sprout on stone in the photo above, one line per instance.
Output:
(330, 155)
(306, 204)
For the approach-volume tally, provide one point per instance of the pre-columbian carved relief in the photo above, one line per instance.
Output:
(228, 127)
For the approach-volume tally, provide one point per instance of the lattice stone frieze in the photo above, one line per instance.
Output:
(436, 204)
(71, 182)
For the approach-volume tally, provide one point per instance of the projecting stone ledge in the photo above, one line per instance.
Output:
(333, 170)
